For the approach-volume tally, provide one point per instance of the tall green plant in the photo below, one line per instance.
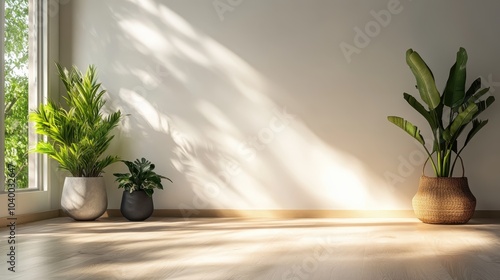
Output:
(448, 114)
(77, 137)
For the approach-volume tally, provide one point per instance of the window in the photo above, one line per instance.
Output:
(22, 35)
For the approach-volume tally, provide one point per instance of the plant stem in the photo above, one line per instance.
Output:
(455, 160)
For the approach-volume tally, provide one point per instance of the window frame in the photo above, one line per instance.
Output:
(37, 88)
(2, 86)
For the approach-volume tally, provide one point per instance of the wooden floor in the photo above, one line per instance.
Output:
(161, 248)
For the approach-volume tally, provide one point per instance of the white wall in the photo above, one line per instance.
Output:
(256, 106)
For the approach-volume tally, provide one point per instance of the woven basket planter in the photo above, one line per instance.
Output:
(444, 200)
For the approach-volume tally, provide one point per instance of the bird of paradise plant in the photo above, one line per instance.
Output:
(448, 114)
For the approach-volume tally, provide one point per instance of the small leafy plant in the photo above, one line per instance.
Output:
(141, 177)
(447, 114)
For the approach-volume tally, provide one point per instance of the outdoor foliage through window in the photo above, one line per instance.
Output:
(16, 88)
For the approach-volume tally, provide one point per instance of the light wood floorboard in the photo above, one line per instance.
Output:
(237, 249)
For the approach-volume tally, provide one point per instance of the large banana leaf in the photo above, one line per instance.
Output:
(475, 97)
(420, 108)
(474, 87)
(454, 92)
(476, 126)
(425, 80)
(461, 120)
(482, 105)
(408, 127)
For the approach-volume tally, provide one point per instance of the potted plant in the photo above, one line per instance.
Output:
(139, 185)
(76, 136)
(443, 198)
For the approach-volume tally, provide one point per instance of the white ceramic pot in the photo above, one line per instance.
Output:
(84, 198)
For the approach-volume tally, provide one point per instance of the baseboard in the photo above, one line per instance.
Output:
(280, 214)
(290, 214)
(28, 218)
(235, 213)
(487, 214)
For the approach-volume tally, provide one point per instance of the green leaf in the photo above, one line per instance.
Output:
(474, 87)
(425, 80)
(149, 192)
(420, 108)
(460, 121)
(476, 126)
(483, 105)
(478, 95)
(454, 92)
(412, 130)
(141, 177)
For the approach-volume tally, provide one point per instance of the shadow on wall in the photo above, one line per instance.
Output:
(206, 118)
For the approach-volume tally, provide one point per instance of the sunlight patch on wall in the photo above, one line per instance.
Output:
(148, 38)
(344, 187)
(233, 145)
(190, 52)
(222, 127)
(144, 109)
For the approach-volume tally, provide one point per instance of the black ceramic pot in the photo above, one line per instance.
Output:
(136, 206)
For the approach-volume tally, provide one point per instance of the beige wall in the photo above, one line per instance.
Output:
(281, 104)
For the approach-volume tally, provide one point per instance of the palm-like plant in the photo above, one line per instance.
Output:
(141, 177)
(448, 114)
(77, 137)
